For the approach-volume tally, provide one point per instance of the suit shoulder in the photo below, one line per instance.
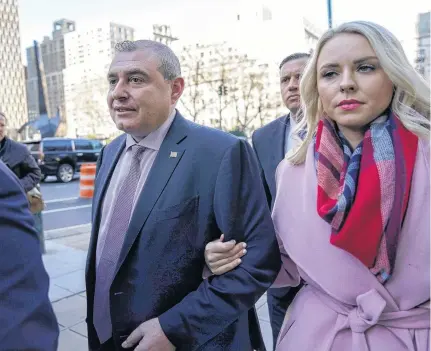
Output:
(268, 128)
(19, 147)
(213, 137)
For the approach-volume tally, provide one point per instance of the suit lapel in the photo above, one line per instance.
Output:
(279, 138)
(166, 161)
(110, 159)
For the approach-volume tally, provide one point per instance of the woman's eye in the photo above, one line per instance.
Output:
(366, 68)
(329, 74)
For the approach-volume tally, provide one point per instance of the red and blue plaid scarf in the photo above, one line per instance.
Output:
(364, 193)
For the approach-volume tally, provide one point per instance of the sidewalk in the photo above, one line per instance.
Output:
(65, 258)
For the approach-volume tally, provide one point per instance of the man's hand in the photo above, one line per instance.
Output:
(150, 337)
(222, 257)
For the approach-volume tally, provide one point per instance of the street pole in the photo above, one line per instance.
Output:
(329, 2)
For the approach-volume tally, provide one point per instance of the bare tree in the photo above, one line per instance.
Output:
(193, 100)
(246, 97)
(90, 106)
(219, 78)
(268, 107)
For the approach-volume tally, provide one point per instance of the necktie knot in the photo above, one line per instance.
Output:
(137, 151)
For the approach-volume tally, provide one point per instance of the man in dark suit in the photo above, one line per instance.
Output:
(271, 143)
(27, 321)
(163, 191)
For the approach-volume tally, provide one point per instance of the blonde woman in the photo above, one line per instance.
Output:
(352, 210)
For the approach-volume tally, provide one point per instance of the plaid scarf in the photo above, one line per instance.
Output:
(363, 194)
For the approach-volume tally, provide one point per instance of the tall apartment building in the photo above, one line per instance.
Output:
(51, 59)
(266, 33)
(163, 34)
(423, 60)
(88, 55)
(12, 87)
(269, 31)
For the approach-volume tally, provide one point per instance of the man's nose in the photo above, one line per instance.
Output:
(293, 84)
(119, 92)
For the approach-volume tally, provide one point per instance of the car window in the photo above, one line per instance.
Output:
(57, 145)
(97, 145)
(81, 144)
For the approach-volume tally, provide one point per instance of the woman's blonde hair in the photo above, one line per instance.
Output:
(411, 100)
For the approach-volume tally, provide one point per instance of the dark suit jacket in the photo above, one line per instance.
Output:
(27, 321)
(213, 186)
(269, 145)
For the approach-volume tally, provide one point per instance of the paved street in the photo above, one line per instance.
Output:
(67, 233)
(64, 208)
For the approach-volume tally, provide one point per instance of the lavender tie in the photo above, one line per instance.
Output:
(114, 239)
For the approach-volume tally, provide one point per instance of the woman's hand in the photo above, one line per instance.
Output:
(222, 257)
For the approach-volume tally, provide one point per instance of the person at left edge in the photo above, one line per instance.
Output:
(163, 190)
(27, 321)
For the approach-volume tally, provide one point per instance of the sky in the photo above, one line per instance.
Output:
(188, 18)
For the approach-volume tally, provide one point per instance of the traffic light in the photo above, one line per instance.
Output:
(225, 90)
(220, 90)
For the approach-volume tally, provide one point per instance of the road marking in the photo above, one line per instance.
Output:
(56, 186)
(66, 209)
(61, 200)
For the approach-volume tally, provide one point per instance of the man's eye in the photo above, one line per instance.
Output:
(136, 80)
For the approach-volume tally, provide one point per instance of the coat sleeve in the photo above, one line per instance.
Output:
(27, 321)
(30, 171)
(289, 275)
(242, 214)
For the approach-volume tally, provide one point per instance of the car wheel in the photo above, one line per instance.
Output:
(65, 173)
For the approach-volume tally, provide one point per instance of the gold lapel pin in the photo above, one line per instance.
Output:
(173, 154)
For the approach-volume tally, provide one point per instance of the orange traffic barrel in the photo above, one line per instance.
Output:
(86, 180)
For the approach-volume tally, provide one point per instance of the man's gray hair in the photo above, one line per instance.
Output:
(169, 67)
(295, 56)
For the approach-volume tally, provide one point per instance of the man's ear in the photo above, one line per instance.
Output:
(177, 89)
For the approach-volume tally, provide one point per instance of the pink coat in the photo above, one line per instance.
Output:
(343, 306)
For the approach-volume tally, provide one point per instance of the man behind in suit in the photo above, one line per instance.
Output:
(270, 143)
(164, 189)
(27, 321)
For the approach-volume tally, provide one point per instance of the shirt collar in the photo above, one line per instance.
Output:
(292, 123)
(155, 139)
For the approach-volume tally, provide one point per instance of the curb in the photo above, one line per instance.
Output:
(67, 231)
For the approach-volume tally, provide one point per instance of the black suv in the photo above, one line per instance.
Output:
(62, 157)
